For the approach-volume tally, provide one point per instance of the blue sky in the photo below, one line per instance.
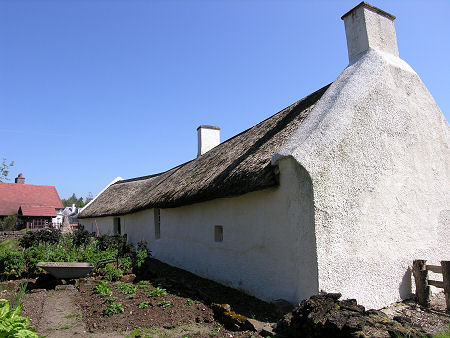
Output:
(92, 90)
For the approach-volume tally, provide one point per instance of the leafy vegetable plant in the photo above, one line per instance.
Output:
(12, 324)
(157, 292)
(164, 303)
(102, 288)
(126, 288)
(113, 309)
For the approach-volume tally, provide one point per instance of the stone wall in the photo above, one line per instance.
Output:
(4, 235)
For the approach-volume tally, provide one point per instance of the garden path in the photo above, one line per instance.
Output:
(61, 316)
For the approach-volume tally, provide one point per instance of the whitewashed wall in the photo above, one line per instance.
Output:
(377, 148)
(268, 247)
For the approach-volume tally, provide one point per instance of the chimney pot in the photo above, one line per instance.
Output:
(20, 179)
(208, 138)
(368, 27)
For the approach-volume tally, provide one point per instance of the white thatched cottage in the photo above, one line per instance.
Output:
(340, 191)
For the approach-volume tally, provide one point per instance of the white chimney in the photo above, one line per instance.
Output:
(368, 27)
(208, 138)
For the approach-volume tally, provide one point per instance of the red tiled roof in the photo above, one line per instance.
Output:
(13, 195)
(26, 210)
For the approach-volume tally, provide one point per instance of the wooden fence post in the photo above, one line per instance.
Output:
(446, 279)
(421, 278)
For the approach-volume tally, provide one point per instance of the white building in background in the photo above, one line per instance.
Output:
(338, 192)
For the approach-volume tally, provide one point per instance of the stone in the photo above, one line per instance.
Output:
(282, 306)
(128, 278)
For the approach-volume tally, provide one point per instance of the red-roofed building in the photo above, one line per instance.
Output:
(34, 204)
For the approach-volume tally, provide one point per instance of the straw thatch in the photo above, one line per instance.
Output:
(237, 166)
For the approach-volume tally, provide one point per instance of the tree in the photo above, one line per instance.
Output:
(4, 170)
(79, 203)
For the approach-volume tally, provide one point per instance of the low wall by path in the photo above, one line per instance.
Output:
(4, 235)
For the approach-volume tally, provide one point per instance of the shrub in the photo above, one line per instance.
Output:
(9, 223)
(32, 256)
(12, 324)
(34, 238)
(143, 305)
(81, 237)
(11, 261)
(113, 274)
(102, 288)
(113, 309)
(105, 242)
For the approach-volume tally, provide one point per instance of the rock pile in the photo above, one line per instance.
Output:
(324, 315)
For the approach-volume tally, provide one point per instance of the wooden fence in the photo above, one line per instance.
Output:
(420, 272)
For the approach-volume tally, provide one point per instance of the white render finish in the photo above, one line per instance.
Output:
(367, 27)
(364, 190)
(268, 247)
(208, 138)
(376, 147)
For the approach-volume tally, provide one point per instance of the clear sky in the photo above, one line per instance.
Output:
(92, 90)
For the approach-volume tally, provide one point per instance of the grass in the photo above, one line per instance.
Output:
(11, 244)
(65, 327)
(73, 315)
(443, 334)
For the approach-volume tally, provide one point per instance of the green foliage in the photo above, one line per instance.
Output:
(34, 238)
(81, 237)
(141, 256)
(110, 300)
(157, 292)
(12, 324)
(33, 256)
(105, 242)
(443, 334)
(113, 274)
(113, 309)
(79, 203)
(102, 288)
(164, 303)
(126, 263)
(143, 282)
(143, 305)
(10, 244)
(189, 302)
(12, 262)
(125, 288)
(10, 223)
(19, 294)
(133, 295)
(4, 170)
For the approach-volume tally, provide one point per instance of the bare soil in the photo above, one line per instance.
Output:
(76, 310)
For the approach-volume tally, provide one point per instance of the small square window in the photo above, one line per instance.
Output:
(218, 233)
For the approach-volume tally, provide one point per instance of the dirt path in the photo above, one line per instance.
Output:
(61, 317)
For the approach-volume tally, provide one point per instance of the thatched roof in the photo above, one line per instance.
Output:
(237, 166)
